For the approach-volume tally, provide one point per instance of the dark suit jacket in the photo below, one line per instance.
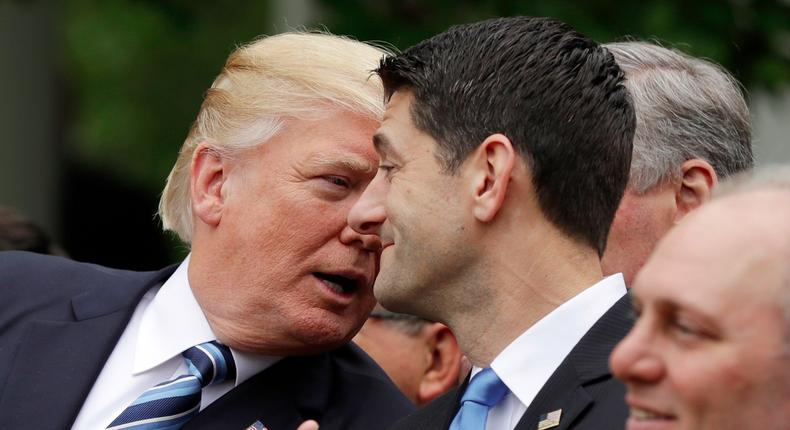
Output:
(60, 320)
(582, 386)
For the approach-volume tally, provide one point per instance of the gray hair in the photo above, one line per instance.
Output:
(686, 108)
(408, 324)
(776, 177)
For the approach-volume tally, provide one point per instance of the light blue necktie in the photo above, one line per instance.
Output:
(485, 390)
(171, 404)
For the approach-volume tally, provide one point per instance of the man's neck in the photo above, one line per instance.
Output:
(522, 291)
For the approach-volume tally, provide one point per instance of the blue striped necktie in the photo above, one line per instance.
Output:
(169, 405)
(485, 390)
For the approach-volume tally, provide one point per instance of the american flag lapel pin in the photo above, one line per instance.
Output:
(257, 425)
(549, 420)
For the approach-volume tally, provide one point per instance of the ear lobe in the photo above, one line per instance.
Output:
(698, 178)
(445, 363)
(494, 160)
(208, 175)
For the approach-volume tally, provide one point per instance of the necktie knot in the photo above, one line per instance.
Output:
(211, 363)
(171, 404)
(485, 388)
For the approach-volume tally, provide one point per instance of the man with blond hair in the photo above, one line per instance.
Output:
(692, 130)
(252, 328)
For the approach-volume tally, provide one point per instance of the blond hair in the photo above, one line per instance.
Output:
(291, 75)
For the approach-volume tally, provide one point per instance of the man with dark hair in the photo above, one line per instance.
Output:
(504, 151)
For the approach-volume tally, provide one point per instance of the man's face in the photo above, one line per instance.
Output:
(295, 274)
(707, 348)
(403, 356)
(640, 222)
(415, 209)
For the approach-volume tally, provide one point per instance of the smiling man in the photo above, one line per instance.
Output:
(253, 327)
(711, 347)
(504, 150)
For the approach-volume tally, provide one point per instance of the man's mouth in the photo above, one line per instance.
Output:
(644, 419)
(340, 284)
(643, 415)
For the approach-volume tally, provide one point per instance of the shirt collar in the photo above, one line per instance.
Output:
(174, 322)
(529, 361)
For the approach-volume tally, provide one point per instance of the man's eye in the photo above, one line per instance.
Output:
(339, 181)
(387, 169)
(685, 329)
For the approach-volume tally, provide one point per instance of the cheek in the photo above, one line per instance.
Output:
(630, 222)
(632, 237)
(710, 386)
(304, 223)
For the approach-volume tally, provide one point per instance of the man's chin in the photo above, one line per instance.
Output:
(393, 297)
(319, 335)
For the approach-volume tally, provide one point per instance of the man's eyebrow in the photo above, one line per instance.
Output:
(345, 161)
(381, 143)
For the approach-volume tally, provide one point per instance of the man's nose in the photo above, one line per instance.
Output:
(368, 213)
(367, 242)
(633, 360)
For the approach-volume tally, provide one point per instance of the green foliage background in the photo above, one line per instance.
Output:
(136, 70)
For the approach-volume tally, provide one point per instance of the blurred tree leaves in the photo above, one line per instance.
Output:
(137, 69)
(751, 38)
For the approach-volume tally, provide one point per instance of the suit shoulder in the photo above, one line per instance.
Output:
(26, 275)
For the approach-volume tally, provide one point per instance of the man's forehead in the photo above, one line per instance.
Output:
(724, 249)
(397, 113)
(737, 226)
(381, 142)
(399, 103)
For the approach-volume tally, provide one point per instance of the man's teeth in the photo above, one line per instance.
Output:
(334, 286)
(641, 414)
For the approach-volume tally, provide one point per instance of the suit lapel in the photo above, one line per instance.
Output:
(281, 397)
(58, 361)
(562, 391)
(587, 363)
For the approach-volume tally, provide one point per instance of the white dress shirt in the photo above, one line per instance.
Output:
(166, 322)
(527, 363)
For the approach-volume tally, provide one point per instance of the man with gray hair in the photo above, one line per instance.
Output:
(253, 328)
(692, 130)
(710, 349)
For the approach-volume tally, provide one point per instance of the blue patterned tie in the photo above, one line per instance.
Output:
(169, 405)
(485, 390)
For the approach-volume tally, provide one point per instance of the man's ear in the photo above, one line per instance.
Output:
(441, 374)
(492, 165)
(208, 173)
(697, 180)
